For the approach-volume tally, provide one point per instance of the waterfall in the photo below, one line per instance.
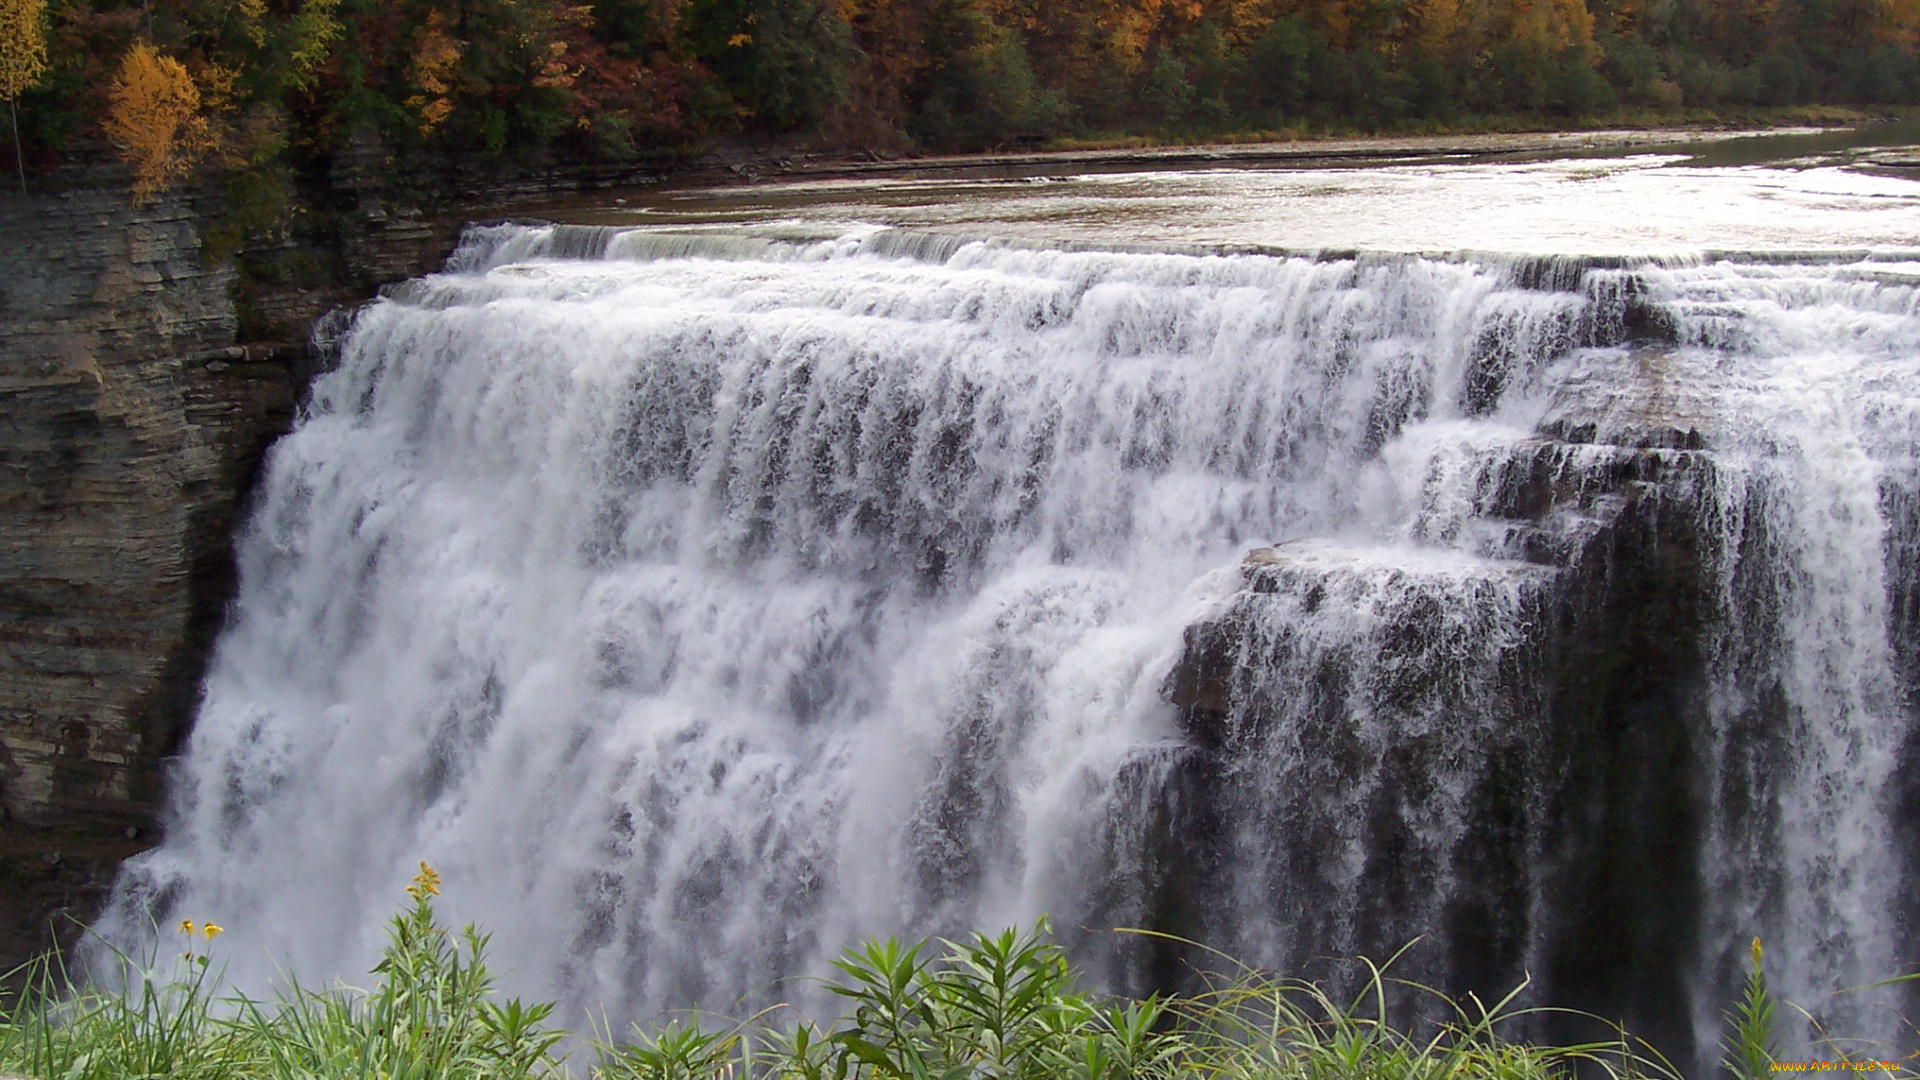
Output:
(700, 602)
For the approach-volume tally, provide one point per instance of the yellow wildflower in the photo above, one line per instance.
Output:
(1756, 952)
(186, 927)
(425, 883)
(210, 930)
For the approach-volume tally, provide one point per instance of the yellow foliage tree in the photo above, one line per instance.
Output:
(23, 62)
(1439, 28)
(1550, 25)
(154, 120)
(435, 55)
(1899, 22)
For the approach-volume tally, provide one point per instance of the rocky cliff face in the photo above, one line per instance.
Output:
(130, 421)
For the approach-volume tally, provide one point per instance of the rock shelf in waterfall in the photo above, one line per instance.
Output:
(716, 600)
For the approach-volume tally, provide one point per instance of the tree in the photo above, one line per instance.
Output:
(23, 61)
(436, 55)
(154, 119)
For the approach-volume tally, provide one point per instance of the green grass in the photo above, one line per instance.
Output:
(1006, 1006)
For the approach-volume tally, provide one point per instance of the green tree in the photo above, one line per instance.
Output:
(980, 88)
(784, 62)
(1280, 71)
(1166, 94)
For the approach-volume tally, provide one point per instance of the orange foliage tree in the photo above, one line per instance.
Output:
(154, 120)
(435, 56)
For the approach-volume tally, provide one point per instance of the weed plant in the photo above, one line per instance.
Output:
(158, 1023)
(1750, 1046)
(430, 1015)
(1004, 1006)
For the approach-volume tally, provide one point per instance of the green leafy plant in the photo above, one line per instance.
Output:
(428, 1016)
(431, 1014)
(1750, 1046)
(1008, 1005)
(1001, 1006)
(679, 1051)
(158, 1018)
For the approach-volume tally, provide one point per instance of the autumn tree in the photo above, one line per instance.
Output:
(23, 61)
(435, 57)
(276, 86)
(154, 120)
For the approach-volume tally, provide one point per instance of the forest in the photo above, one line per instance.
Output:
(267, 84)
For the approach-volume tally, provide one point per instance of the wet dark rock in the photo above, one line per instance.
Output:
(1571, 855)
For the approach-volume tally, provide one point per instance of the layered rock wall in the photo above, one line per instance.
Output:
(130, 420)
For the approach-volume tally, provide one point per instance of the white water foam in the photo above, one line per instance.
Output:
(698, 605)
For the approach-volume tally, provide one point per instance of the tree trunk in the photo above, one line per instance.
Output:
(19, 156)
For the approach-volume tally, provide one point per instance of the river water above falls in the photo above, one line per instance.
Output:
(702, 591)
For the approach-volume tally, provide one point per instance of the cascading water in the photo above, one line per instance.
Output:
(700, 604)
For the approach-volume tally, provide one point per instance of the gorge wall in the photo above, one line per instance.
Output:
(130, 422)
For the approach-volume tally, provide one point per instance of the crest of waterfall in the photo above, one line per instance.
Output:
(698, 603)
